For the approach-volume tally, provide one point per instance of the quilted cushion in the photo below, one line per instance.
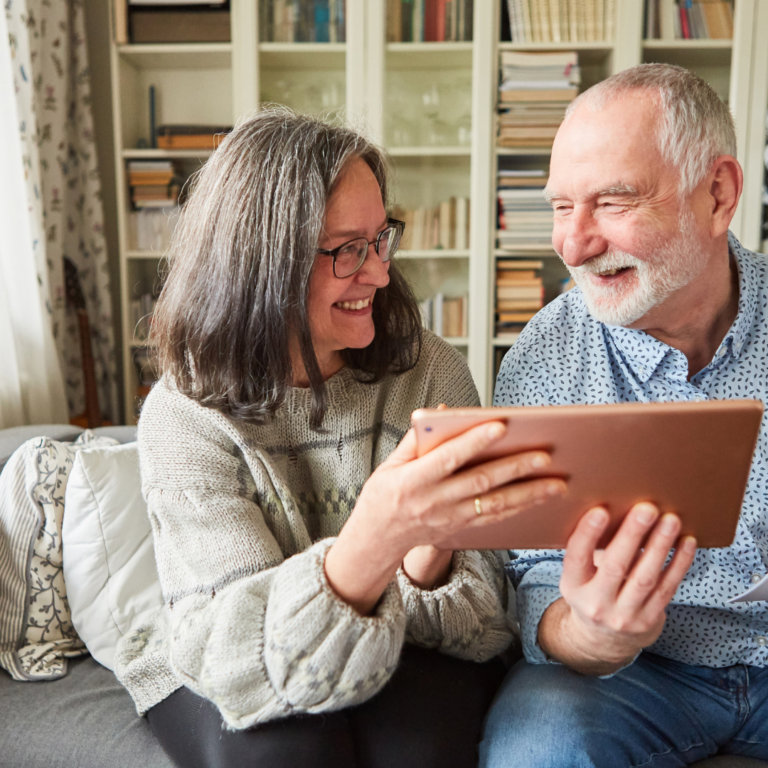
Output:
(109, 560)
(36, 633)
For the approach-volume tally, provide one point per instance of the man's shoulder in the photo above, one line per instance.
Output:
(564, 323)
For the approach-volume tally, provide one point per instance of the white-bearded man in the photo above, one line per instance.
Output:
(633, 656)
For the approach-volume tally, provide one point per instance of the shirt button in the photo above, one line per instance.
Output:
(698, 398)
(761, 640)
(720, 352)
(755, 577)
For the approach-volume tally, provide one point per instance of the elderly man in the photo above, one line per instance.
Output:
(633, 657)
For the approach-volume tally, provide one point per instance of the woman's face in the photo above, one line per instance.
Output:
(354, 210)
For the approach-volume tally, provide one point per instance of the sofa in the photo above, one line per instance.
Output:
(84, 718)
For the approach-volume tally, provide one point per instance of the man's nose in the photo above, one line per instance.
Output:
(580, 237)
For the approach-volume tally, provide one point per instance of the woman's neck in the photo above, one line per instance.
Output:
(329, 364)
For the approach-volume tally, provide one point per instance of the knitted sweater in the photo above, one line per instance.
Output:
(243, 516)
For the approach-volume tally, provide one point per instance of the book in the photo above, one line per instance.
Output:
(526, 94)
(120, 17)
(515, 317)
(518, 305)
(190, 141)
(523, 264)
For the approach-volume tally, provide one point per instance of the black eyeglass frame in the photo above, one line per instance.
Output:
(396, 224)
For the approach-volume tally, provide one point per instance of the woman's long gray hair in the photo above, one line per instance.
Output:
(240, 264)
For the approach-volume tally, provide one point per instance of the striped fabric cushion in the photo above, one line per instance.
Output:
(36, 633)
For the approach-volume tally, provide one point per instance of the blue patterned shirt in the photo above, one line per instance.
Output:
(564, 356)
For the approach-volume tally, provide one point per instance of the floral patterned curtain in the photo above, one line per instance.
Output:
(54, 32)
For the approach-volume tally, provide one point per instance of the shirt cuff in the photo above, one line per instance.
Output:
(538, 589)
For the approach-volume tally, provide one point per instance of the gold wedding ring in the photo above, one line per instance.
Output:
(478, 507)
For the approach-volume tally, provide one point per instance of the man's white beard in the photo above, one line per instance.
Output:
(667, 268)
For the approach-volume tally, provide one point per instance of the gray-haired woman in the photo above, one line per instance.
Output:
(297, 535)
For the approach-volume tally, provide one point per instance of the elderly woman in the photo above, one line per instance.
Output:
(297, 535)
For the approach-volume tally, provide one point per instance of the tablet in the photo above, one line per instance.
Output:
(692, 459)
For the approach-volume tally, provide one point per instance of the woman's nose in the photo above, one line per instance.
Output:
(374, 271)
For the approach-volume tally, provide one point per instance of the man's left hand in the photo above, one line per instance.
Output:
(611, 610)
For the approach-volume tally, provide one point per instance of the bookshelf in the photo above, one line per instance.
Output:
(432, 105)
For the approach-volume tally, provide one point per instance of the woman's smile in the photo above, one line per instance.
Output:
(356, 306)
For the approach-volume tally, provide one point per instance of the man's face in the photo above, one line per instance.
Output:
(618, 223)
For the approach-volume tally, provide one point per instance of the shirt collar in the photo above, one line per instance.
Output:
(643, 353)
(748, 295)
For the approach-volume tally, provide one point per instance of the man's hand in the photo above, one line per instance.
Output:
(613, 607)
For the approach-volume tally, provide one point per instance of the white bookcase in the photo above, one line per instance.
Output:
(379, 86)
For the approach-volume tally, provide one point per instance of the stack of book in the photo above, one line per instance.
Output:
(446, 316)
(688, 20)
(153, 183)
(519, 294)
(525, 219)
(303, 21)
(141, 311)
(561, 21)
(425, 21)
(534, 93)
(446, 226)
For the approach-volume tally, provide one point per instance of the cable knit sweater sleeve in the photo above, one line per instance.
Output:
(261, 636)
(466, 617)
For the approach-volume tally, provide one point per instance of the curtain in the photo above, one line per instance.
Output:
(31, 382)
(60, 125)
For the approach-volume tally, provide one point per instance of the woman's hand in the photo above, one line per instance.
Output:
(412, 502)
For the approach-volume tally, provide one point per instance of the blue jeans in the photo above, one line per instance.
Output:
(654, 713)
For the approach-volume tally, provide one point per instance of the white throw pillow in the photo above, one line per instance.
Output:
(109, 557)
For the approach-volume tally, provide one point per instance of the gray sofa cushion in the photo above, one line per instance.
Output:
(12, 438)
(86, 719)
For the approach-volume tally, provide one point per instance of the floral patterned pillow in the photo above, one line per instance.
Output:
(36, 632)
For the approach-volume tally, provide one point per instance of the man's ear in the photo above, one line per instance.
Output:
(725, 181)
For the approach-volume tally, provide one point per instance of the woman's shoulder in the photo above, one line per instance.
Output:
(168, 416)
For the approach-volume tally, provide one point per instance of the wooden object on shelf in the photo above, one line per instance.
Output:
(91, 417)
(179, 26)
(191, 136)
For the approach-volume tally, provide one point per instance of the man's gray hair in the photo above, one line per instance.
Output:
(696, 127)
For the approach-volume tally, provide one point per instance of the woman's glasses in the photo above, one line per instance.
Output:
(350, 256)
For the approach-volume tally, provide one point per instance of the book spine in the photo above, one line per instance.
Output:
(152, 118)
(684, 26)
(120, 10)
(461, 223)
(408, 12)
(437, 314)
(392, 30)
(322, 21)
(341, 15)
(418, 21)
(573, 21)
(554, 20)
(512, 12)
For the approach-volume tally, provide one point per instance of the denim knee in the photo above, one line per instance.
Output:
(542, 718)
